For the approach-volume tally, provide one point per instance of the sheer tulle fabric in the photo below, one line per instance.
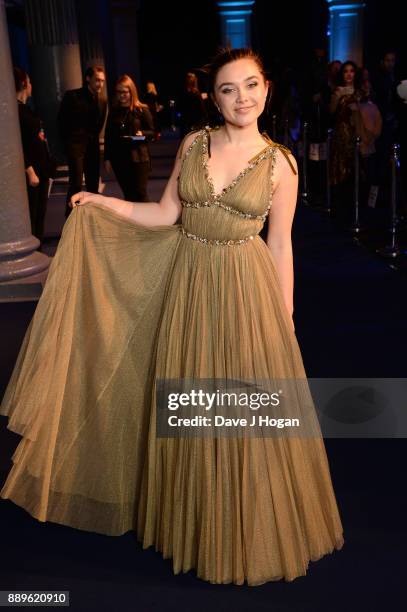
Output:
(124, 305)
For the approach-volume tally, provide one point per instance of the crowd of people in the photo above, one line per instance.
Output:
(340, 96)
(350, 100)
(128, 124)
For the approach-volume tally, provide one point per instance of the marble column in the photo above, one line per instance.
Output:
(90, 17)
(125, 36)
(54, 58)
(236, 22)
(22, 268)
(346, 30)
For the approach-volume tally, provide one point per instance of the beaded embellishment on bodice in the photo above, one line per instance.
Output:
(230, 199)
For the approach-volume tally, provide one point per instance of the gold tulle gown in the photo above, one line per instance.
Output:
(124, 305)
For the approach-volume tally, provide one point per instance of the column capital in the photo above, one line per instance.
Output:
(346, 30)
(345, 5)
(235, 18)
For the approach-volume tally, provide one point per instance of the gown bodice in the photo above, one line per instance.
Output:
(236, 214)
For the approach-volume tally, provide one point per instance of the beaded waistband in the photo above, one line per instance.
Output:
(216, 242)
(231, 209)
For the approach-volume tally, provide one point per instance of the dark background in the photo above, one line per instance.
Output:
(178, 36)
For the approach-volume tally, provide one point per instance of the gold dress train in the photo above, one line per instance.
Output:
(124, 305)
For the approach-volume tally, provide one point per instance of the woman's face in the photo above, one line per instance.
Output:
(348, 74)
(123, 94)
(240, 91)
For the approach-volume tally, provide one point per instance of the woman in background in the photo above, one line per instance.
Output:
(342, 107)
(151, 98)
(191, 106)
(128, 157)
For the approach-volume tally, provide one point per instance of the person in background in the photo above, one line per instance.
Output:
(346, 94)
(342, 108)
(151, 99)
(316, 96)
(127, 157)
(191, 106)
(334, 69)
(81, 118)
(384, 83)
(39, 166)
(368, 124)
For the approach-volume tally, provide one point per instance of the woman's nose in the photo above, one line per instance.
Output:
(241, 95)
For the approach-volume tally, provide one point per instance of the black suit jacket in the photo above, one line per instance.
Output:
(81, 117)
(35, 148)
(122, 122)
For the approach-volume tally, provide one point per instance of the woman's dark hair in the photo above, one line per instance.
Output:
(357, 83)
(20, 78)
(225, 55)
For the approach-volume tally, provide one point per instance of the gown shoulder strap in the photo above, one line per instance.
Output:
(284, 150)
(181, 152)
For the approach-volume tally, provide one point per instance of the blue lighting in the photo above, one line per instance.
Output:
(342, 7)
(241, 3)
(235, 12)
(347, 14)
(235, 17)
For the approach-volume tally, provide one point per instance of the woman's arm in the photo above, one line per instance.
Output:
(281, 217)
(147, 124)
(148, 214)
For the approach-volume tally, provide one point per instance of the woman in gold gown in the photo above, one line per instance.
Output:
(134, 296)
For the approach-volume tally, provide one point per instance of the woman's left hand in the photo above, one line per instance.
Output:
(85, 197)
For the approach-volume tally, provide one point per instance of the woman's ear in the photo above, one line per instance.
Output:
(214, 102)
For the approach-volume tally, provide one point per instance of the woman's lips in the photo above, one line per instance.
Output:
(244, 110)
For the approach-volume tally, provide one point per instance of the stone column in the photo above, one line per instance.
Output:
(346, 30)
(90, 17)
(236, 22)
(125, 37)
(54, 58)
(22, 268)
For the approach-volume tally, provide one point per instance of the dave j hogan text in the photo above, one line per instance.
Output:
(220, 421)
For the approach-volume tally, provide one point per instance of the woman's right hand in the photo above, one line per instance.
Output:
(85, 197)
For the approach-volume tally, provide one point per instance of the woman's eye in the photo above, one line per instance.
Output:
(228, 89)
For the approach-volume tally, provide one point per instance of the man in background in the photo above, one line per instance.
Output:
(81, 118)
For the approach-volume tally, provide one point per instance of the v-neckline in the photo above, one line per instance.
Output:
(251, 164)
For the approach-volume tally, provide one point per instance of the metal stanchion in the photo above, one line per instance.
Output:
(286, 133)
(392, 249)
(328, 207)
(356, 228)
(304, 194)
(173, 126)
(274, 124)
